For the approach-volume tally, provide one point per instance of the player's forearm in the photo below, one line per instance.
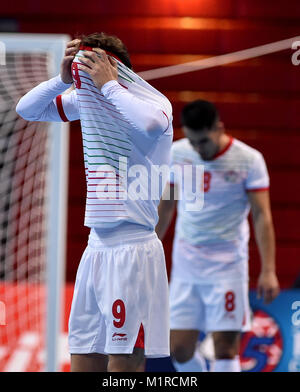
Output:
(165, 212)
(265, 239)
(38, 105)
(141, 114)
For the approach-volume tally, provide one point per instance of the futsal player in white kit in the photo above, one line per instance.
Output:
(120, 303)
(209, 277)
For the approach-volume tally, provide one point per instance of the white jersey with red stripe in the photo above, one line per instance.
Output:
(128, 120)
(213, 242)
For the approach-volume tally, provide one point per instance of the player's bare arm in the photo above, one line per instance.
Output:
(268, 286)
(65, 68)
(166, 210)
(101, 69)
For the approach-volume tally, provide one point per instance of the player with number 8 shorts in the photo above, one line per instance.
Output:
(209, 277)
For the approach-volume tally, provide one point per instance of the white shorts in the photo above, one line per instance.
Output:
(223, 306)
(119, 288)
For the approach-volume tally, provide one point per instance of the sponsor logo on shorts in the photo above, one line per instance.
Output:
(230, 316)
(119, 336)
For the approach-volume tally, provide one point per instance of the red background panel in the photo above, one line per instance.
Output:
(209, 8)
(257, 76)
(255, 9)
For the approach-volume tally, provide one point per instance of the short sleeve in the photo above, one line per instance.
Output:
(258, 177)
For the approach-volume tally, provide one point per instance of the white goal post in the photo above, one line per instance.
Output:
(28, 48)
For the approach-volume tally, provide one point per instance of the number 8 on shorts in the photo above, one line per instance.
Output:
(229, 301)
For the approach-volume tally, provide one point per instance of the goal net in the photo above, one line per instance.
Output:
(33, 181)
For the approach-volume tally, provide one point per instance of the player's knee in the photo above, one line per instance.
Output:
(126, 363)
(182, 353)
(121, 365)
(225, 352)
(138, 357)
(226, 345)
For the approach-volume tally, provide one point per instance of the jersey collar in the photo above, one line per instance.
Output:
(226, 148)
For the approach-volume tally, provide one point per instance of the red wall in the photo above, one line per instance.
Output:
(258, 99)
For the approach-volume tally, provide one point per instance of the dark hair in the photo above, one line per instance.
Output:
(199, 115)
(110, 43)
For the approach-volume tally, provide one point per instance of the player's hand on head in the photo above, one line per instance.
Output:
(268, 286)
(70, 52)
(101, 67)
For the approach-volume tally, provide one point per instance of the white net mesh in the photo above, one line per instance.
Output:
(23, 166)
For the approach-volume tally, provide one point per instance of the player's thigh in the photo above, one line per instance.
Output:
(183, 343)
(186, 306)
(89, 362)
(226, 344)
(126, 362)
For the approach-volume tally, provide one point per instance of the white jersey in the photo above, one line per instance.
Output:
(127, 119)
(215, 239)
